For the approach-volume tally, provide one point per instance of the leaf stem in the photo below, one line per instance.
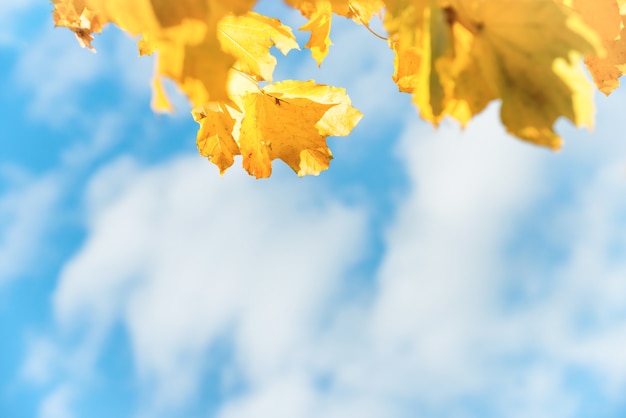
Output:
(367, 26)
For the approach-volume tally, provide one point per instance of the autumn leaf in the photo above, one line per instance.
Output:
(607, 70)
(458, 58)
(339, 120)
(361, 11)
(604, 17)
(319, 13)
(537, 81)
(81, 17)
(419, 37)
(289, 121)
(215, 136)
(159, 102)
(274, 128)
(184, 35)
(249, 38)
(453, 56)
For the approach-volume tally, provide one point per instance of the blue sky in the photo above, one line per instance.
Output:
(427, 274)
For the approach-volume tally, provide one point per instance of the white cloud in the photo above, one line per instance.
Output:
(184, 258)
(56, 70)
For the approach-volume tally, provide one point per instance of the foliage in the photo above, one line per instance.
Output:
(453, 56)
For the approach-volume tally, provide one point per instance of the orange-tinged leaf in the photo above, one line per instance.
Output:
(601, 15)
(249, 38)
(605, 18)
(607, 70)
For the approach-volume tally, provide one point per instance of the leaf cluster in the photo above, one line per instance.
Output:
(453, 56)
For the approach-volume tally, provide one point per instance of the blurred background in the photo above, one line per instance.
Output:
(428, 273)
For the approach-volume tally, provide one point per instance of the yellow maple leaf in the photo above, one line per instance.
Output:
(274, 128)
(289, 120)
(249, 38)
(215, 136)
(339, 120)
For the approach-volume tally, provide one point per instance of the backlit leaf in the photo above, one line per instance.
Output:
(249, 38)
(289, 121)
(215, 136)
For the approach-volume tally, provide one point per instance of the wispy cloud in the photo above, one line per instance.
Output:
(10, 14)
(57, 404)
(26, 209)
